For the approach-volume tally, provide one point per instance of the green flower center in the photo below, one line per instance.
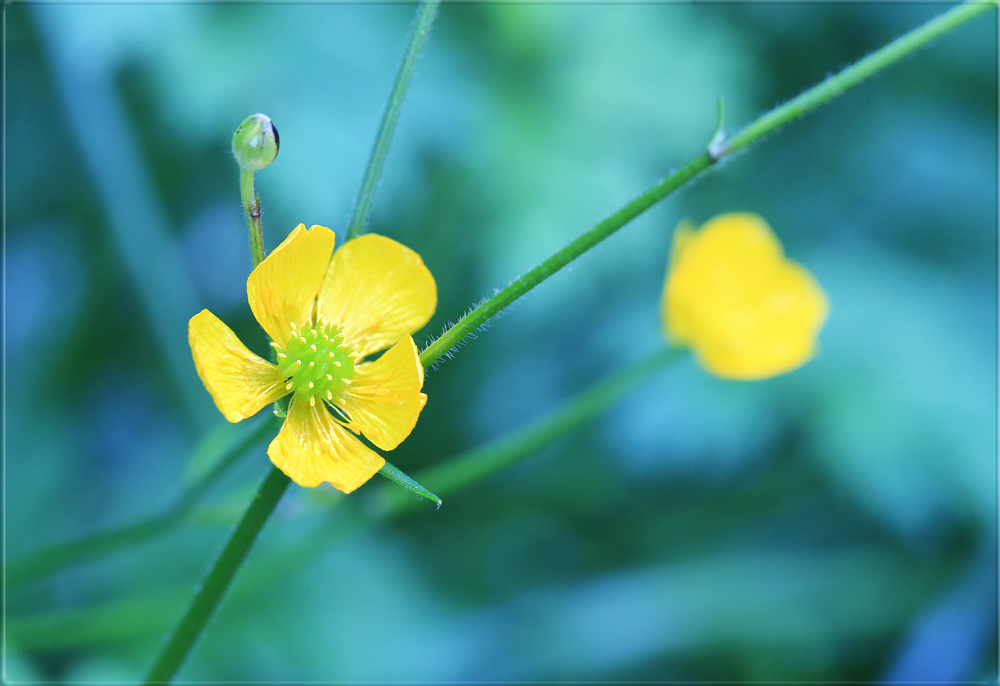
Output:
(315, 363)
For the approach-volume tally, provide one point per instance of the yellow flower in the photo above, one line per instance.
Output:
(733, 297)
(324, 317)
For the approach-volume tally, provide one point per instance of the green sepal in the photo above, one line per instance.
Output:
(391, 471)
(280, 408)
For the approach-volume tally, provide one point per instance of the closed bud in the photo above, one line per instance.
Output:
(255, 143)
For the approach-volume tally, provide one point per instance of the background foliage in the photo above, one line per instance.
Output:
(837, 523)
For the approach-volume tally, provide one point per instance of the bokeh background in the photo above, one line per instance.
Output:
(837, 523)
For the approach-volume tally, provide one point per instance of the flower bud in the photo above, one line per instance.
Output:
(255, 143)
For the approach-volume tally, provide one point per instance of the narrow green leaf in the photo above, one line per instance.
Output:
(391, 471)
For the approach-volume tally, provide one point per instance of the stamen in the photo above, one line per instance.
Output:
(312, 402)
(275, 345)
(313, 363)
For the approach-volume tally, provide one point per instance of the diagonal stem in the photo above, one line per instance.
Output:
(38, 564)
(275, 484)
(477, 464)
(243, 537)
(64, 630)
(766, 124)
(217, 582)
(426, 13)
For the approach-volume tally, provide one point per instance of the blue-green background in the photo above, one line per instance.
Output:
(835, 523)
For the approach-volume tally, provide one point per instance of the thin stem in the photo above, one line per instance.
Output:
(121, 619)
(426, 13)
(276, 482)
(217, 582)
(215, 585)
(764, 125)
(475, 319)
(41, 563)
(251, 205)
(857, 72)
(464, 470)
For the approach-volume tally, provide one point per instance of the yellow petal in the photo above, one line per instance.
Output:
(384, 398)
(283, 288)
(731, 295)
(375, 292)
(240, 382)
(312, 448)
(683, 234)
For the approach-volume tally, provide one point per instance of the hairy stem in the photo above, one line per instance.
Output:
(256, 515)
(251, 205)
(762, 126)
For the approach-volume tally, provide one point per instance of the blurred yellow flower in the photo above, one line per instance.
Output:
(733, 297)
(324, 317)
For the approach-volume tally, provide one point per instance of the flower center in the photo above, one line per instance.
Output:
(315, 363)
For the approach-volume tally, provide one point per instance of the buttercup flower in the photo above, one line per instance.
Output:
(733, 297)
(324, 317)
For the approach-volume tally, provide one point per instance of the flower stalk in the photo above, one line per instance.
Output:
(221, 575)
(255, 145)
(808, 101)
(251, 205)
(471, 467)
(270, 491)
(426, 13)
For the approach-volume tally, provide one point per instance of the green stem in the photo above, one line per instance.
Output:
(471, 322)
(125, 619)
(856, 73)
(464, 470)
(251, 205)
(276, 482)
(764, 125)
(36, 565)
(214, 586)
(390, 117)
